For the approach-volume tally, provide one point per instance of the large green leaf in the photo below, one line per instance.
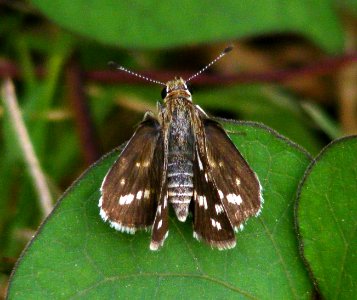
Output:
(326, 211)
(154, 24)
(75, 254)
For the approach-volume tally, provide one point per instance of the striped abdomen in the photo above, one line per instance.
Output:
(180, 158)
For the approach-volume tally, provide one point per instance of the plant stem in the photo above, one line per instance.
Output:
(36, 173)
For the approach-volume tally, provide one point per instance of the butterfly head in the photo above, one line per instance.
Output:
(176, 88)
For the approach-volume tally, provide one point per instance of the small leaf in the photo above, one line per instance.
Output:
(326, 215)
(161, 24)
(76, 254)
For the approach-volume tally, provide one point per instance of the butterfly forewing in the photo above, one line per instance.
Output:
(211, 223)
(237, 185)
(130, 189)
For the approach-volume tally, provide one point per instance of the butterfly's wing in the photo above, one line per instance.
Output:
(210, 222)
(160, 228)
(130, 189)
(237, 185)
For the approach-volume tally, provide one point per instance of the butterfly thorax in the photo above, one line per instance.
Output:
(181, 143)
(177, 89)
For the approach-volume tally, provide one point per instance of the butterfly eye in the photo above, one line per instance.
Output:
(163, 93)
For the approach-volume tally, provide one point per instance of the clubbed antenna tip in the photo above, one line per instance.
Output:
(223, 53)
(113, 64)
(228, 49)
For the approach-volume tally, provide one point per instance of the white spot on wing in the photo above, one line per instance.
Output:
(146, 194)
(196, 236)
(199, 162)
(122, 181)
(220, 194)
(202, 201)
(127, 199)
(234, 199)
(159, 224)
(237, 181)
(165, 201)
(239, 228)
(137, 164)
(219, 209)
(139, 195)
(216, 224)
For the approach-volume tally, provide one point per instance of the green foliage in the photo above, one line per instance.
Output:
(157, 24)
(91, 260)
(326, 215)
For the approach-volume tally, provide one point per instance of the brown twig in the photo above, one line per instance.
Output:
(347, 86)
(36, 173)
(82, 116)
(325, 66)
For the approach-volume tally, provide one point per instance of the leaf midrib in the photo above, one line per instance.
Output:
(183, 275)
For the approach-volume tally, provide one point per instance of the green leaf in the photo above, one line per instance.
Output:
(326, 214)
(157, 24)
(76, 254)
(347, 6)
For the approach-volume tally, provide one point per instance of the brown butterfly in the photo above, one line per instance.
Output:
(185, 159)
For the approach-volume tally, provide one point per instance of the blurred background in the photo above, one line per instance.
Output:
(293, 68)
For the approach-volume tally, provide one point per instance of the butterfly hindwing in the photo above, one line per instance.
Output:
(160, 228)
(237, 185)
(130, 189)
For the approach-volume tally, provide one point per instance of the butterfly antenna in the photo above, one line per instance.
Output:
(223, 53)
(121, 68)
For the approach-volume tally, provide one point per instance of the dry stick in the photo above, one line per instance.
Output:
(348, 86)
(31, 160)
(82, 114)
(326, 66)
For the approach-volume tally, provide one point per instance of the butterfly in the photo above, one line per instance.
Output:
(181, 158)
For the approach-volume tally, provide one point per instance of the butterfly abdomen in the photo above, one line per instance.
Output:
(180, 162)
